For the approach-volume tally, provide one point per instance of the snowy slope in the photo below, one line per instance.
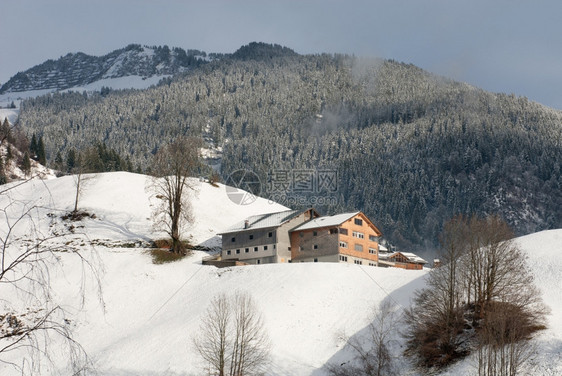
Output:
(9, 113)
(152, 311)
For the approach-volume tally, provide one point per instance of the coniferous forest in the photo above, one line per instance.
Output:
(411, 149)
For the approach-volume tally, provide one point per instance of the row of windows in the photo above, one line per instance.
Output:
(251, 237)
(357, 247)
(359, 235)
(344, 231)
(357, 262)
(247, 250)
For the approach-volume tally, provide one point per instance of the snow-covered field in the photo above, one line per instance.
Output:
(150, 312)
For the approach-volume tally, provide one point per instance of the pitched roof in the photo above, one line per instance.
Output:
(264, 221)
(333, 220)
(411, 257)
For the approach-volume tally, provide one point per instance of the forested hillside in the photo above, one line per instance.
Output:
(410, 149)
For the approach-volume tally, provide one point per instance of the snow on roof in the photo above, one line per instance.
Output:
(382, 248)
(333, 220)
(411, 257)
(264, 221)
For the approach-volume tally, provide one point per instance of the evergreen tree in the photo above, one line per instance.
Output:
(70, 160)
(26, 163)
(33, 146)
(41, 152)
(58, 162)
(3, 178)
(5, 131)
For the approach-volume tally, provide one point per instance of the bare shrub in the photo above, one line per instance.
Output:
(372, 355)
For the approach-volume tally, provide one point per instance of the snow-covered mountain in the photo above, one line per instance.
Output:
(151, 312)
(79, 69)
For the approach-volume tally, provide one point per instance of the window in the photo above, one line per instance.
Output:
(315, 246)
(333, 231)
(358, 247)
(343, 258)
(372, 251)
(358, 222)
(343, 231)
(314, 233)
(259, 262)
(237, 251)
(372, 264)
(270, 234)
(251, 237)
(372, 238)
(343, 245)
(358, 235)
(358, 262)
(315, 260)
(265, 247)
(233, 240)
(301, 234)
(247, 250)
(255, 249)
(274, 246)
(228, 252)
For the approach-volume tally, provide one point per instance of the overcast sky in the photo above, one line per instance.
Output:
(503, 46)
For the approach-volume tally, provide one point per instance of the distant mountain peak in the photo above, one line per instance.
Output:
(262, 51)
(79, 69)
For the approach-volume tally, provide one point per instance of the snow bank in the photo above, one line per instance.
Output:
(151, 312)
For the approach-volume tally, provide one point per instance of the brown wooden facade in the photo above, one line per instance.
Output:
(403, 262)
(353, 240)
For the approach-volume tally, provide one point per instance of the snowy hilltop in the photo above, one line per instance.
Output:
(139, 318)
(80, 69)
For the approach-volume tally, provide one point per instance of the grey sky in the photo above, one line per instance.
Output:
(504, 46)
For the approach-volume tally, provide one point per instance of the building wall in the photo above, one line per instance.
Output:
(276, 240)
(284, 253)
(328, 244)
(327, 258)
(250, 252)
(365, 242)
(242, 238)
(408, 266)
(303, 242)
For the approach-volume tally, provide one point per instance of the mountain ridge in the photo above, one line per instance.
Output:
(78, 69)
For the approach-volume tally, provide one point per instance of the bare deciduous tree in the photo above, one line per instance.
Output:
(372, 355)
(171, 168)
(232, 339)
(33, 323)
(503, 340)
(482, 298)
